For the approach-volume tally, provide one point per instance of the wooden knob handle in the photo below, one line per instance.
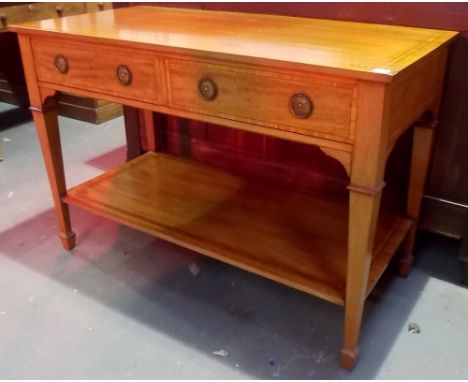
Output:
(124, 75)
(208, 88)
(61, 63)
(301, 105)
(101, 6)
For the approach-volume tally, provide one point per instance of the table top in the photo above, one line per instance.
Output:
(382, 51)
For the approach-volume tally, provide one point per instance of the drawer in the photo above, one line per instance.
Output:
(121, 72)
(305, 104)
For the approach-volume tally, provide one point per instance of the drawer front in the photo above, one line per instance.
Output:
(116, 71)
(272, 99)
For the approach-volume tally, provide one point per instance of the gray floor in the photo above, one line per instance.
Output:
(124, 305)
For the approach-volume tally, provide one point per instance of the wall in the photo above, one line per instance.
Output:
(299, 163)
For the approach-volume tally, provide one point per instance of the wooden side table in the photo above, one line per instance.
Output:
(350, 89)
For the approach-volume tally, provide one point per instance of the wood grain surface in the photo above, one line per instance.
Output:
(372, 50)
(263, 97)
(95, 68)
(293, 237)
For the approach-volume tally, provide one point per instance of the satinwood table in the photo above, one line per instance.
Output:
(349, 88)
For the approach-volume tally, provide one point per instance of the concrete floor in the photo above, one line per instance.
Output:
(124, 305)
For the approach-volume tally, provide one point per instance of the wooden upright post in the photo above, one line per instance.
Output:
(44, 109)
(366, 186)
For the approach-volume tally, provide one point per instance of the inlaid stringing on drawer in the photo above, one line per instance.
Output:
(116, 71)
(264, 97)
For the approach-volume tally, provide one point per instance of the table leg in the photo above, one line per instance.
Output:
(44, 110)
(154, 125)
(147, 120)
(47, 127)
(132, 132)
(363, 215)
(367, 172)
(423, 140)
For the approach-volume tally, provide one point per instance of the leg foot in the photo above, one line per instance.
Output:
(68, 240)
(348, 358)
(405, 264)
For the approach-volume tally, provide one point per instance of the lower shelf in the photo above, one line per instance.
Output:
(296, 238)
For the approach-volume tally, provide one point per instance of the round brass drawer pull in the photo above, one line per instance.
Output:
(124, 75)
(208, 88)
(61, 64)
(301, 105)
